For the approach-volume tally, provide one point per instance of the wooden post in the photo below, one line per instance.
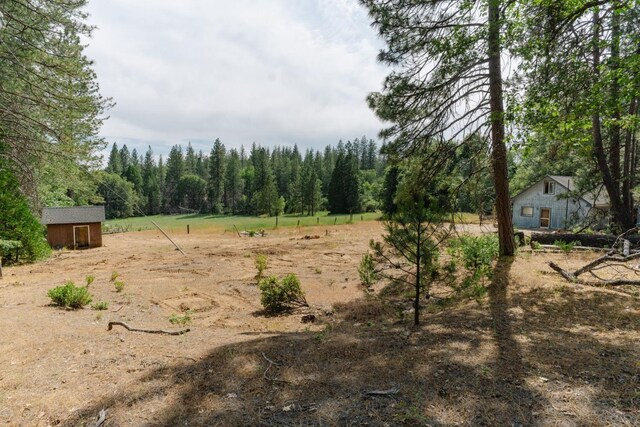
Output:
(361, 217)
(298, 224)
(318, 220)
(187, 228)
(237, 231)
(335, 220)
(276, 221)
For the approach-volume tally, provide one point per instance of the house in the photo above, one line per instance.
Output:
(545, 204)
(77, 227)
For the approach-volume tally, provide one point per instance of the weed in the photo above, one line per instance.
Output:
(100, 305)
(536, 245)
(89, 279)
(70, 295)
(99, 316)
(565, 247)
(119, 285)
(185, 319)
(261, 266)
(318, 270)
(114, 275)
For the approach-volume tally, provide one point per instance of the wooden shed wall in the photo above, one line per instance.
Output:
(61, 235)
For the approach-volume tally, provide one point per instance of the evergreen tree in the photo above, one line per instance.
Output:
(216, 177)
(190, 160)
(233, 182)
(115, 164)
(175, 171)
(150, 186)
(192, 192)
(125, 159)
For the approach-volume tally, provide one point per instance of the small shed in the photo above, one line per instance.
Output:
(77, 227)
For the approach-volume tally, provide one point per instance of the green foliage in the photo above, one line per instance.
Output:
(114, 275)
(181, 320)
(276, 295)
(89, 279)
(119, 285)
(120, 197)
(367, 270)
(69, 295)
(21, 233)
(536, 245)
(100, 305)
(477, 254)
(261, 265)
(566, 247)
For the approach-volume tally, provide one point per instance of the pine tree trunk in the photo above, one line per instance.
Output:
(416, 319)
(499, 149)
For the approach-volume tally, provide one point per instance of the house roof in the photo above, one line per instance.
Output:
(597, 198)
(73, 215)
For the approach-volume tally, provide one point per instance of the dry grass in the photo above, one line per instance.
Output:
(535, 351)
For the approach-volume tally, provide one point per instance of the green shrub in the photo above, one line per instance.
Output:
(70, 295)
(100, 305)
(367, 270)
(261, 266)
(119, 285)
(183, 320)
(114, 275)
(277, 296)
(565, 247)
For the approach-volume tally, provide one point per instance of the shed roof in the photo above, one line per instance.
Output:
(73, 215)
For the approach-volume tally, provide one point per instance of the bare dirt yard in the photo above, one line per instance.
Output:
(536, 350)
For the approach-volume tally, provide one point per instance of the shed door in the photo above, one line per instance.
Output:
(545, 217)
(81, 236)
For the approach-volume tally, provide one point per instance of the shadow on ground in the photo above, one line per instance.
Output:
(518, 359)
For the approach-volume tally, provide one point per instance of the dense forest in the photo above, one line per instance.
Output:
(342, 179)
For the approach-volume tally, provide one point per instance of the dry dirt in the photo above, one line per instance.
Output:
(535, 350)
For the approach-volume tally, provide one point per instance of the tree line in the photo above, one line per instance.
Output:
(346, 178)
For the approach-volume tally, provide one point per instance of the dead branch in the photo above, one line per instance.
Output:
(271, 363)
(564, 273)
(571, 277)
(148, 331)
(606, 258)
(102, 415)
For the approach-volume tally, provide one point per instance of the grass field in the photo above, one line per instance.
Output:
(199, 222)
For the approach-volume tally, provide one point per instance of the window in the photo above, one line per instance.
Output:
(526, 211)
(549, 187)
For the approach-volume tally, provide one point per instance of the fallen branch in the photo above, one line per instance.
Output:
(271, 363)
(393, 390)
(564, 273)
(571, 277)
(102, 415)
(149, 331)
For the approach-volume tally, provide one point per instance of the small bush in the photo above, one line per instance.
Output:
(535, 245)
(100, 305)
(277, 296)
(69, 295)
(114, 275)
(565, 247)
(119, 285)
(89, 279)
(366, 270)
(477, 254)
(261, 266)
(183, 320)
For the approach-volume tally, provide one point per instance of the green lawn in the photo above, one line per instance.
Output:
(178, 223)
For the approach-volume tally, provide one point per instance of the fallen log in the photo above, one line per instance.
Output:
(148, 331)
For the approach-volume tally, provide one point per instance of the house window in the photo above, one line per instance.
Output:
(549, 187)
(526, 211)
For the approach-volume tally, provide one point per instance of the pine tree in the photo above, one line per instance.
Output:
(115, 164)
(216, 177)
(233, 182)
(190, 160)
(150, 186)
(175, 171)
(125, 159)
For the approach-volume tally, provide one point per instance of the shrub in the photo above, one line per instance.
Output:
(89, 279)
(277, 296)
(70, 295)
(119, 285)
(261, 266)
(100, 305)
(477, 254)
(565, 247)
(367, 271)
(176, 319)
(114, 275)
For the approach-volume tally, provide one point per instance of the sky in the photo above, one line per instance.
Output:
(273, 72)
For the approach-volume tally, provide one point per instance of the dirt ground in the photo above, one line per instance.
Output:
(535, 350)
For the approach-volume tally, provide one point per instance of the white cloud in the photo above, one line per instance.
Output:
(273, 72)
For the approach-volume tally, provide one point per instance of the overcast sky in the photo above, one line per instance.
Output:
(276, 72)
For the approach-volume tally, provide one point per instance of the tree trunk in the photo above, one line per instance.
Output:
(499, 149)
(416, 318)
